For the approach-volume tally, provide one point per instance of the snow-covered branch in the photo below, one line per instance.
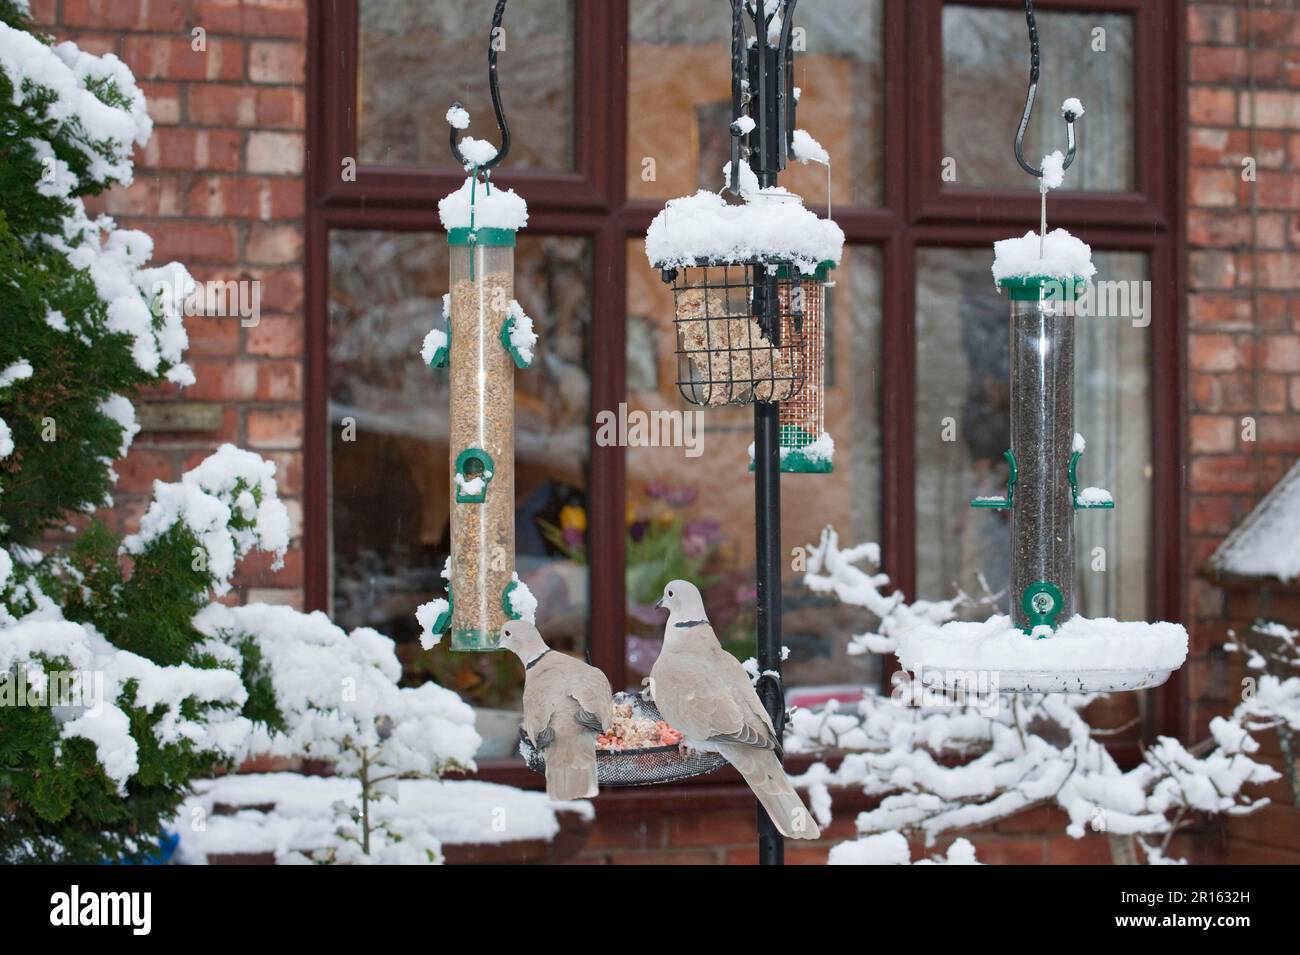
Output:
(939, 764)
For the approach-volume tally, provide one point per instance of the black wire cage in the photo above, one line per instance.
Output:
(725, 355)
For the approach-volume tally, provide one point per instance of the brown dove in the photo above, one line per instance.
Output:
(566, 704)
(704, 692)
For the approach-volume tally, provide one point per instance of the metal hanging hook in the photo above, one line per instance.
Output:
(1070, 116)
(495, 86)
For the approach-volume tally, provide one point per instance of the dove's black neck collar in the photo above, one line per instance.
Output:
(533, 662)
(683, 624)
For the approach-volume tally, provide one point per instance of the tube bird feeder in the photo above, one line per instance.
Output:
(1043, 645)
(488, 337)
(1042, 493)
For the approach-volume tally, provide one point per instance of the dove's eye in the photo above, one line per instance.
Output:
(670, 593)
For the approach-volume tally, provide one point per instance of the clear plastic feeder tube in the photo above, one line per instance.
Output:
(1042, 441)
(482, 428)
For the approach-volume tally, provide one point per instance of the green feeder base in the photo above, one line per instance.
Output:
(796, 462)
(475, 641)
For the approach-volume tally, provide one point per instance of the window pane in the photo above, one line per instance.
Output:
(417, 58)
(389, 484)
(694, 516)
(679, 98)
(985, 69)
(962, 375)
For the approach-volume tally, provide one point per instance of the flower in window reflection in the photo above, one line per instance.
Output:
(699, 538)
(570, 535)
(674, 495)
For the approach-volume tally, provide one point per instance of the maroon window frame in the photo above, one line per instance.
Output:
(918, 211)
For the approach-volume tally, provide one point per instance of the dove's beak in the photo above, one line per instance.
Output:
(659, 604)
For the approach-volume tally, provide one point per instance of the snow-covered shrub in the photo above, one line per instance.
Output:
(1271, 690)
(127, 706)
(120, 680)
(939, 766)
(335, 698)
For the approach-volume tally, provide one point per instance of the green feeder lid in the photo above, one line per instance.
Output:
(1042, 288)
(497, 238)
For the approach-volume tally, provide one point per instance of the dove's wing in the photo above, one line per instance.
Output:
(705, 693)
(540, 702)
(590, 688)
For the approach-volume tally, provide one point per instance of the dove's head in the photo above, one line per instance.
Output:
(683, 601)
(523, 640)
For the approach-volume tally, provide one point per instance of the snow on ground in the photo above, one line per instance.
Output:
(891, 848)
(303, 816)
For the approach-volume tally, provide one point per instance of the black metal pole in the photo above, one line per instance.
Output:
(767, 81)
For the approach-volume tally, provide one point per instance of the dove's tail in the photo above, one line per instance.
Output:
(571, 768)
(766, 777)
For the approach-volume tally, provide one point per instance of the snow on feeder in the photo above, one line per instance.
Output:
(488, 336)
(745, 274)
(725, 263)
(1043, 646)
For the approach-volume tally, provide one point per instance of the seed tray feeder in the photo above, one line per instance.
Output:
(635, 767)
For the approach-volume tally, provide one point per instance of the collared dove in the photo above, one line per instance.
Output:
(566, 704)
(704, 692)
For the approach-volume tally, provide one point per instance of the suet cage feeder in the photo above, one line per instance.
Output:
(724, 354)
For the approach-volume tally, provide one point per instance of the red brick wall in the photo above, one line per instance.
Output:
(220, 189)
(1243, 320)
(717, 837)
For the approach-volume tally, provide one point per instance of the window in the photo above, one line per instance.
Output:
(616, 106)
